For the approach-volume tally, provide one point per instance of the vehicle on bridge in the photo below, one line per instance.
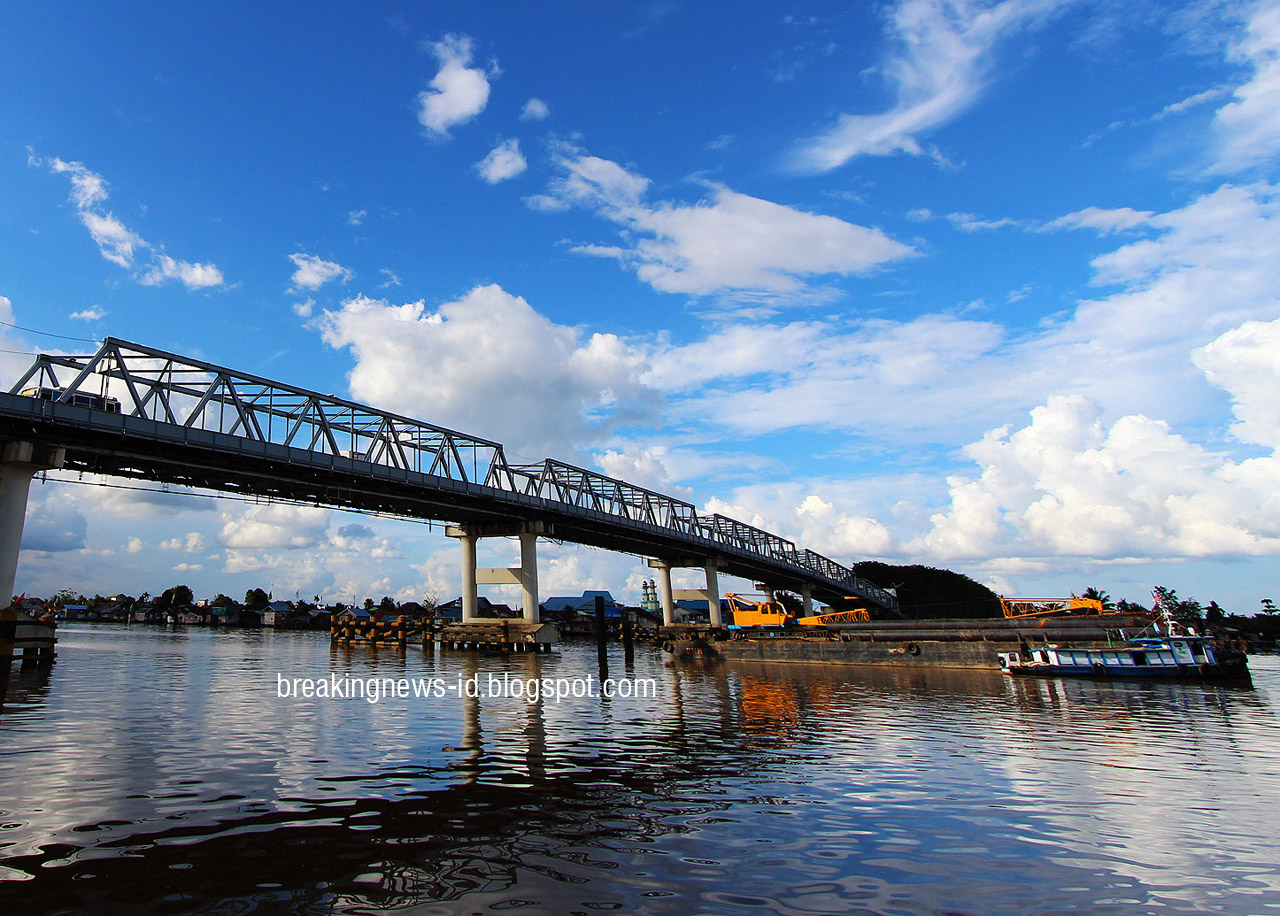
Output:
(78, 398)
(748, 614)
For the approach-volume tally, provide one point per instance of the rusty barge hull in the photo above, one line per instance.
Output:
(947, 643)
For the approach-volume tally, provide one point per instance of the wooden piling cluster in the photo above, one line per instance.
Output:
(490, 635)
(20, 632)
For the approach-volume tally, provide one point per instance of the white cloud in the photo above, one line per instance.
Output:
(1248, 128)
(314, 272)
(273, 527)
(191, 542)
(498, 369)
(1246, 362)
(503, 161)
(356, 217)
(730, 243)
(192, 276)
(535, 110)
(93, 313)
(303, 309)
(968, 222)
(942, 52)
(642, 467)
(87, 188)
(458, 93)
(935, 379)
(1067, 484)
(1104, 221)
(117, 243)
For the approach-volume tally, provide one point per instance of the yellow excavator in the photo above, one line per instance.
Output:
(752, 614)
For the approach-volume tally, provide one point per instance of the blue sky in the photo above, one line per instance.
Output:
(989, 286)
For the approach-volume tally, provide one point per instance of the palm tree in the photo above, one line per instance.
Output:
(1100, 596)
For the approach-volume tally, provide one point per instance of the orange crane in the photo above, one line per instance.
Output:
(749, 613)
(1040, 607)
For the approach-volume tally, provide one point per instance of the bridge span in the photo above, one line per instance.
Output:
(133, 411)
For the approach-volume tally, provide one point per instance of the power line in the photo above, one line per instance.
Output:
(18, 327)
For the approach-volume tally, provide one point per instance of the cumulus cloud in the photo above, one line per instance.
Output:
(119, 244)
(1068, 484)
(503, 161)
(458, 92)
(314, 272)
(728, 243)
(273, 527)
(192, 276)
(643, 467)
(490, 365)
(1246, 362)
(823, 515)
(191, 542)
(93, 313)
(1248, 128)
(942, 50)
(535, 110)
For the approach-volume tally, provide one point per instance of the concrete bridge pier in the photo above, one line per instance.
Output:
(526, 575)
(806, 595)
(713, 592)
(664, 591)
(19, 462)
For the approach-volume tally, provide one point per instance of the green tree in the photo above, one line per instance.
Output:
(387, 603)
(1187, 613)
(368, 604)
(1099, 595)
(1268, 606)
(256, 598)
(223, 601)
(64, 597)
(177, 596)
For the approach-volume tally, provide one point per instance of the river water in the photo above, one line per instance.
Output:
(160, 771)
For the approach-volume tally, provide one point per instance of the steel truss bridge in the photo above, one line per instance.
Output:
(133, 411)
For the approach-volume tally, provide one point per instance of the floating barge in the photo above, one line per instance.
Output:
(946, 643)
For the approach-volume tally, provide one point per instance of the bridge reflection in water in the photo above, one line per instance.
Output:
(156, 771)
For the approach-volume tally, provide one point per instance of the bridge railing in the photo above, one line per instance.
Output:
(575, 486)
(139, 381)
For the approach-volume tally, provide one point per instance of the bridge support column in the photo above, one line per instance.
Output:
(664, 592)
(806, 595)
(19, 462)
(529, 576)
(526, 576)
(467, 540)
(713, 594)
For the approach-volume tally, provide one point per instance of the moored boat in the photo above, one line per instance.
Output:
(1174, 654)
